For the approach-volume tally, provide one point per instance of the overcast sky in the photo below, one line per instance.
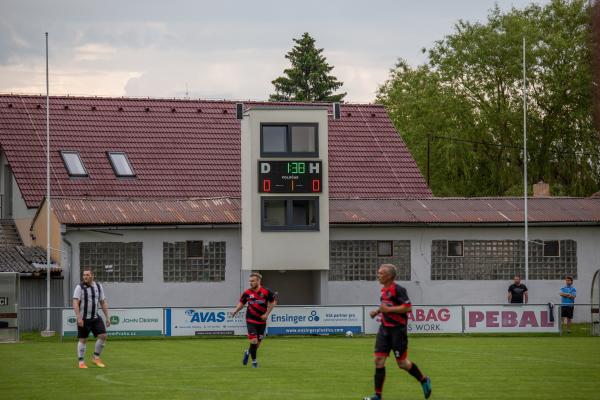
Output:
(219, 49)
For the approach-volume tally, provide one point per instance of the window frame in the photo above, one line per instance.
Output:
(391, 242)
(62, 156)
(289, 209)
(462, 248)
(114, 167)
(544, 248)
(288, 140)
(187, 249)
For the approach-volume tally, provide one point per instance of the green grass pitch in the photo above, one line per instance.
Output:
(467, 367)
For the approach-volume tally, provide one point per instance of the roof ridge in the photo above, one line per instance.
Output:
(176, 99)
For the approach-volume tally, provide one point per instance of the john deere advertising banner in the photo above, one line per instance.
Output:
(123, 322)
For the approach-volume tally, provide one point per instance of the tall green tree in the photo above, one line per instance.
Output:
(471, 90)
(308, 77)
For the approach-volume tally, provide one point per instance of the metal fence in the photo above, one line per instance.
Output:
(32, 304)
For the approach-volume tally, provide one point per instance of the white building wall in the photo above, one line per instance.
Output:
(423, 290)
(153, 291)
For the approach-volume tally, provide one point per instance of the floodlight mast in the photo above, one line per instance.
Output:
(526, 218)
(48, 331)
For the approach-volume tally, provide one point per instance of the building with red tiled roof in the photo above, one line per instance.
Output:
(177, 200)
(185, 148)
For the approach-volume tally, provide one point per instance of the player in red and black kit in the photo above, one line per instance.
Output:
(261, 302)
(392, 334)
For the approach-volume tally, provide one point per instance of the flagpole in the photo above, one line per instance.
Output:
(47, 332)
(526, 219)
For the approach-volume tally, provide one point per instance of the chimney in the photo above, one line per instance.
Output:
(541, 189)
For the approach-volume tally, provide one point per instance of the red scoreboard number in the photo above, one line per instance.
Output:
(290, 176)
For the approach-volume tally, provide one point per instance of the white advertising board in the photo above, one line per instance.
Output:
(123, 322)
(510, 318)
(203, 321)
(315, 320)
(424, 319)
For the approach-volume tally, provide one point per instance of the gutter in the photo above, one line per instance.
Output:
(71, 228)
(461, 225)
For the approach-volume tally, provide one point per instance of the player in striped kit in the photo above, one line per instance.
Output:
(88, 298)
(260, 302)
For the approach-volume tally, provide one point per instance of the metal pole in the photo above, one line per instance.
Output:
(526, 219)
(47, 332)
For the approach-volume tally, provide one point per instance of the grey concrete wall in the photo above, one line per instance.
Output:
(423, 290)
(153, 291)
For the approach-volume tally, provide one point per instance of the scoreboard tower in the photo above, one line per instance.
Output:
(285, 199)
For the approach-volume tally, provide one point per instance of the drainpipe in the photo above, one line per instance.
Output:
(68, 292)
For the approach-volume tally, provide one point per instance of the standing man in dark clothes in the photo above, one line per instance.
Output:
(261, 302)
(517, 292)
(392, 334)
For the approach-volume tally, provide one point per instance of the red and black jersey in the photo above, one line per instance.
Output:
(257, 302)
(394, 295)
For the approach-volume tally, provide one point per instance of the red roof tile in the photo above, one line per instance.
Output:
(185, 148)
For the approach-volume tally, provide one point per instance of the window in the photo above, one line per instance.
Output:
(274, 212)
(385, 249)
(274, 139)
(283, 140)
(292, 213)
(551, 248)
(73, 163)
(112, 261)
(120, 164)
(194, 249)
(304, 139)
(178, 266)
(358, 260)
(455, 248)
(503, 259)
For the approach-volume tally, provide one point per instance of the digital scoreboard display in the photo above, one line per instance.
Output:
(290, 177)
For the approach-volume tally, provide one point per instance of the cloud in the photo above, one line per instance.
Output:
(94, 52)
(219, 49)
(20, 78)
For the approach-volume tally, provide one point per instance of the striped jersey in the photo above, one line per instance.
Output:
(89, 297)
(394, 295)
(257, 302)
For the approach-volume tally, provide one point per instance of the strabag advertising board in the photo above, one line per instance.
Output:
(424, 319)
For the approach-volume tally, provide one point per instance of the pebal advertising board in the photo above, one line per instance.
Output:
(203, 321)
(315, 320)
(510, 318)
(424, 319)
(123, 322)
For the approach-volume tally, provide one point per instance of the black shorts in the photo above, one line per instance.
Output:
(96, 326)
(391, 339)
(566, 312)
(256, 331)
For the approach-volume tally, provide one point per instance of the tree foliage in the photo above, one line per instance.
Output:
(471, 90)
(308, 77)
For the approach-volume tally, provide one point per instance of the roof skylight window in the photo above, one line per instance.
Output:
(120, 164)
(73, 163)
